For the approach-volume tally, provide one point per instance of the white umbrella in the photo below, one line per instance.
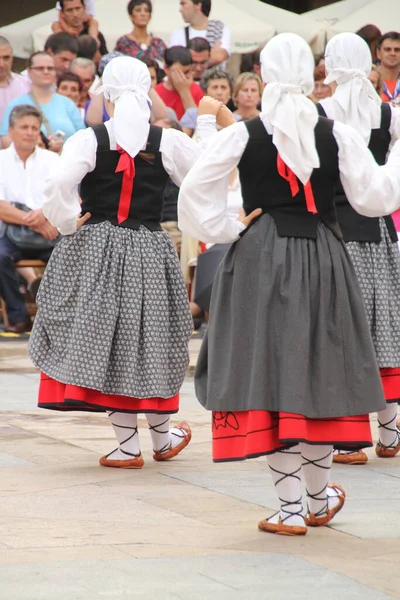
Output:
(19, 34)
(248, 33)
(336, 11)
(385, 14)
(286, 21)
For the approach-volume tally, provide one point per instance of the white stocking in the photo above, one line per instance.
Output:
(285, 467)
(388, 432)
(161, 435)
(317, 461)
(159, 431)
(126, 431)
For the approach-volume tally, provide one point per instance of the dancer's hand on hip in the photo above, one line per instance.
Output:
(82, 220)
(246, 220)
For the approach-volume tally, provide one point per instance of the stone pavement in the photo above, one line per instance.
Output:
(186, 529)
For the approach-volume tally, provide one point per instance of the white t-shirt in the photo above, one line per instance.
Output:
(178, 37)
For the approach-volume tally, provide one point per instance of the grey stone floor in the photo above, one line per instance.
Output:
(186, 529)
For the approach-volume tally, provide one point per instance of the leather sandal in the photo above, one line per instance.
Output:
(159, 455)
(280, 528)
(357, 457)
(388, 451)
(326, 515)
(136, 462)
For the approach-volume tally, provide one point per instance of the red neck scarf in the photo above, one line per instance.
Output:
(288, 174)
(126, 164)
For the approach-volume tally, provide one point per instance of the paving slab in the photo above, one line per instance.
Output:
(187, 529)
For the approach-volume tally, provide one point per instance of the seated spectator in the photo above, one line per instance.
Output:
(376, 79)
(388, 52)
(139, 43)
(196, 13)
(71, 86)
(63, 47)
(250, 62)
(60, 116)
(179, 91)
(12, 85)
(216, 83)
(86, 71)
(321, 90)
(370, 34)
(247, 95)
(23, 171)
(200, 50)
(73, 19)
(154, 70)
(87, 48)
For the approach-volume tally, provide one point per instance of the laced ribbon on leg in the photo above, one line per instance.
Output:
(316, 468)
(159, 431)
(285, 467)
(389, 433)
(126, 431)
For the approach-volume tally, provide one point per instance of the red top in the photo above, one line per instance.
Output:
(173, 100)
(391, 86)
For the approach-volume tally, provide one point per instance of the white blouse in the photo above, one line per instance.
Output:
(202, 206)
(394, 128)
(61, 207)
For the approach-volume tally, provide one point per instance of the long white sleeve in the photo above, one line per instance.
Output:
(202, 203)
(61, 206)
(372, 191)
(179, 152)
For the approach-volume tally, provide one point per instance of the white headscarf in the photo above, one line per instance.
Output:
(287, 67)
(355, 102)
(126, 83)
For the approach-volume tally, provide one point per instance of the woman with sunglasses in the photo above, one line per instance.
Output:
(61, 117)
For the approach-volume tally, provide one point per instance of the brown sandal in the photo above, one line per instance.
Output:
(132, 463)
(171, 452)
(324, 517)
(388, 451)
(280, 528)
(350, 458)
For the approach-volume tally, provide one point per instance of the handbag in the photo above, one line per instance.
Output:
(24, 238)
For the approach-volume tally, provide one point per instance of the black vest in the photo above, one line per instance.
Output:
(263, 187)
(356, 227)
(100, 190)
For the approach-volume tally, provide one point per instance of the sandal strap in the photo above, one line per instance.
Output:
(285, 503)
(388, 427)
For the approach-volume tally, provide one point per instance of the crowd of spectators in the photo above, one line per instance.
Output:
(58, 92)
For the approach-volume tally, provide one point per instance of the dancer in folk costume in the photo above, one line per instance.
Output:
(113, 322)
(288, 365)
(371, 243)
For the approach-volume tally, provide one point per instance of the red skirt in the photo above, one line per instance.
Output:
(248, 434)
(391, 384)
(61, 396)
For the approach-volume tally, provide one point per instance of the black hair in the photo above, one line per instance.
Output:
(390, 35)
(178, 54)
(199, 44)
(62, 2)
(151, 63)
(134, 3)
(61, 42)
(205, 6)
(87, 47)
(249, 60)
